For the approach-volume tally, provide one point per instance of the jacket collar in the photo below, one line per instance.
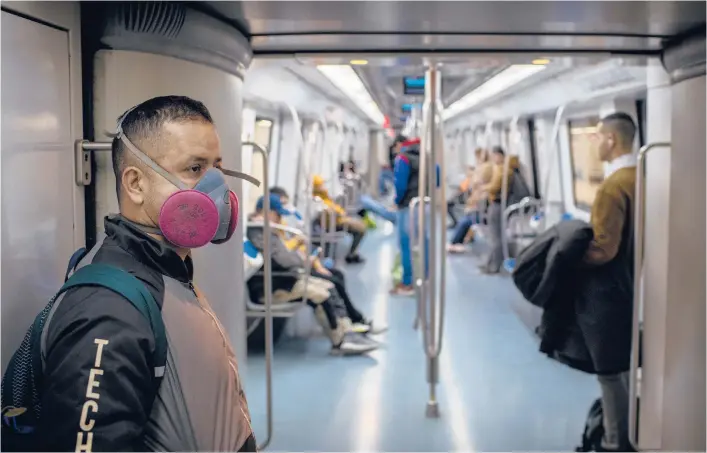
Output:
(149, 251)
(624, 161)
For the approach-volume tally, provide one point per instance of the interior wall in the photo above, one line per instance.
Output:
(683, 426)
(655, 280)
(42, 219)
(124, 79)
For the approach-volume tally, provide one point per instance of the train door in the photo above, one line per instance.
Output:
(39, 195)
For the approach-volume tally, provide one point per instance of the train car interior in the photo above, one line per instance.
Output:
(412, 181)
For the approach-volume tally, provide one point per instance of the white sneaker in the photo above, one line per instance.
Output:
(353, 344)
(359, 327)
(456, 248)
(372, 328)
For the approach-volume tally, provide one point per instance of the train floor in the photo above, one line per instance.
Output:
(496, 391)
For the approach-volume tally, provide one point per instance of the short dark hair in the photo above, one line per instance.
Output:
(622, 124)
(279, 191)
(144, 122)
(498, 150)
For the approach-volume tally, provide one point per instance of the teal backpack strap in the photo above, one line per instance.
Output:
(128, 286)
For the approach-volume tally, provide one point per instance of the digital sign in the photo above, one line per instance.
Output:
(407, 108)
(414, 86)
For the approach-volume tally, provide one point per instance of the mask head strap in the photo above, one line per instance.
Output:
(120, 134)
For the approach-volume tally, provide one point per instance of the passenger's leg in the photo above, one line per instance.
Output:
(450, 213)
(495, 259)
(614, 399)
(337, 279)
(356, 316)
(462, 228)
(358, 230)
(341, 342)
(404, 288)
(377, 208)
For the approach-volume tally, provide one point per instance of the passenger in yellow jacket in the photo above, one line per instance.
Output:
(353, 225)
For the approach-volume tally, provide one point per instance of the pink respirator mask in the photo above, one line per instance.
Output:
(191, 218)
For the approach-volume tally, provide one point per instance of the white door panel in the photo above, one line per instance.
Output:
(37, 171)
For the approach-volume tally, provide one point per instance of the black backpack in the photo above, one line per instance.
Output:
(593, 428)
(22, 382)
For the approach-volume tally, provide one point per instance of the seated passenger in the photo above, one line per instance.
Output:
(481, 176)
(359, 323)
(347, 171)
(610, 277)
(354, 225)
(460, 195)
(295, 218)
(320, 294)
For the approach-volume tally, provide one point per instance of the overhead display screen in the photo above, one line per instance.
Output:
(407, 108)
(414, 86)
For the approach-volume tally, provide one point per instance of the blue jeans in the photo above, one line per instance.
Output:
(386, 175)
(371, 205)
(403, 224)
(464, 225)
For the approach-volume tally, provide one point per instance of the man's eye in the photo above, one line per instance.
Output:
(195, 168)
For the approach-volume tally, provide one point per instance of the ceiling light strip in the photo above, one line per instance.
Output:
(495, 85)
(346, 79)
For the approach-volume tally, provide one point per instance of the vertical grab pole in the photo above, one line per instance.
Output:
(432, 141)
(267, 264)
(640, 214)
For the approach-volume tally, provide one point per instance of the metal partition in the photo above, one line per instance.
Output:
(640, 221)
(432, 284)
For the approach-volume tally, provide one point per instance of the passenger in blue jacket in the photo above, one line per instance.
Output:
(406, 173)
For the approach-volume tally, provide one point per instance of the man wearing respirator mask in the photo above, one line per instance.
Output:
(173, 198)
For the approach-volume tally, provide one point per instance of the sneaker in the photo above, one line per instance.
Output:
(374, 328)
(486, 271)
(359, 327)
(402, 290)
(353, 344)
(354, 259)
(456, 248)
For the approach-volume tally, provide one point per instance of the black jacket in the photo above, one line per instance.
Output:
(586, 320)
(98, 344)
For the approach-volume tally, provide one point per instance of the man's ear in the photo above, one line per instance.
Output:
(135, 185)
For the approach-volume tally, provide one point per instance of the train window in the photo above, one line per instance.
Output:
(587, 169)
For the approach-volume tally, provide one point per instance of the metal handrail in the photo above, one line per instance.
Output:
(554, 150)
(267, 267)
(522, 204)
(638, 289)
(297, 125)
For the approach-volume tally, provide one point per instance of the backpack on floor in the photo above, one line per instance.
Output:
(22, 382)
(593, 428)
